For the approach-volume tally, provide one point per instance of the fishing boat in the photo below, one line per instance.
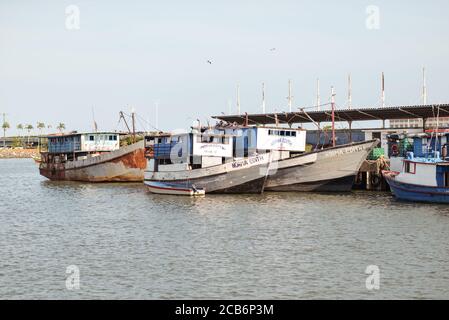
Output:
(174, 188)
(329, 170)
(420, 180)
(205, 159)
(292, 168)
(93, 157)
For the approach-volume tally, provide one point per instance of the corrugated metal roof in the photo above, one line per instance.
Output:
(359, 114)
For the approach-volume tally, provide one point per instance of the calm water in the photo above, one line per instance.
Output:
(128, 243)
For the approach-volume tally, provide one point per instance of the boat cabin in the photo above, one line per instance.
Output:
(83, 142)
(430, 172)
(77, 146)
(220, 145)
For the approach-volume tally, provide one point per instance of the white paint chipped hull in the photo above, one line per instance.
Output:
(241, 176)
(332, 169)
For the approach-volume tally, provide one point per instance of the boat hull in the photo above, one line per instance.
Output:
(124, 165)
(242, 176)
(169, 189)
(415, 193)
(328, 170)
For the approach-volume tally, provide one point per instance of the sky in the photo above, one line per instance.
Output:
(60, 66)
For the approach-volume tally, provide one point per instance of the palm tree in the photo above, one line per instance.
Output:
(61, 127)
(40, 126)
(29, 127)
(20, 129)
(5, 127)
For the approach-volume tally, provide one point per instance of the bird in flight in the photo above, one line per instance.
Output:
(209, 62)
(272, 49)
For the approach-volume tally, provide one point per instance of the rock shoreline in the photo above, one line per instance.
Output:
(12, 153)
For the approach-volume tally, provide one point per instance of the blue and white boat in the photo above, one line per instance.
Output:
(422, 179)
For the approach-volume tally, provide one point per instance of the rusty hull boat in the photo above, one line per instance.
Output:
(80, 157)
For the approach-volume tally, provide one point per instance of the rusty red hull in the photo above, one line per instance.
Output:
(124, 165)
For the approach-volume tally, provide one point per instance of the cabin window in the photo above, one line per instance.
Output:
(293, 133)
(409, 167)
(91, 138)
(446, 179)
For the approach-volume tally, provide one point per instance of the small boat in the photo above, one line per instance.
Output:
(178, 189)
(420, 180)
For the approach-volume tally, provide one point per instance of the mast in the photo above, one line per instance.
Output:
(349, 92)
(263, 97)
(333, 115)
(238, 99)
(318, 99)
(157, 114)
(289, 95)
(383, 90)
(424, 87)
(93, 119)
(134, 124)
(122, 116)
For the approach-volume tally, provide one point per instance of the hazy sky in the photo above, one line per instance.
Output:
(137, 53)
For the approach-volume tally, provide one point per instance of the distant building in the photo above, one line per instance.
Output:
(417, 123)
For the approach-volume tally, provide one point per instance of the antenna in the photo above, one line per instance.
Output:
(349, 92)
(289, 96)
(93, 119)
(333, 115)
(156, 105)
(238, 99)
(424, 87)
(383, 90)
(263, 97)
(318, 99)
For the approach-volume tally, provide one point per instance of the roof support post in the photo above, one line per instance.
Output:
(350, 131)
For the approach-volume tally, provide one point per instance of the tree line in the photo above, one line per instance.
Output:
(40, 126)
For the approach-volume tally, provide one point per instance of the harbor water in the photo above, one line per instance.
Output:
(130, 244)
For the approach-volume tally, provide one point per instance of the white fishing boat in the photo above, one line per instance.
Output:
(206, 160)
(292, 168)
(424, 172)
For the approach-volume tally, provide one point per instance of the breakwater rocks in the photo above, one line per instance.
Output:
(9, 153)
